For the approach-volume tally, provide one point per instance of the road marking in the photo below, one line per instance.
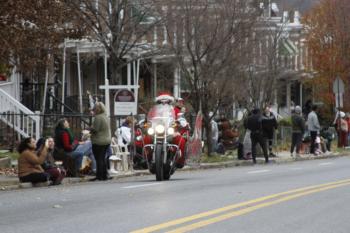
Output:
(250, 209)
(258, 171)
(298, 192)
(140, 186)
(296, 168)
(324, 164)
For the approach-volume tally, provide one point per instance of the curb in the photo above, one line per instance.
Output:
(14, 184)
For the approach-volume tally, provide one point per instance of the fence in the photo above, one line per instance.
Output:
(9, 137)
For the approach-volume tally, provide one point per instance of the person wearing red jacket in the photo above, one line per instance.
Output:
(179, 107)
(64, 140)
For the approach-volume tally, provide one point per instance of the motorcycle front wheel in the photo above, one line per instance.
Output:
(159, 162)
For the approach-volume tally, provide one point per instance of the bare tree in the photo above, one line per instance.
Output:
(33, 29)
(205, 37)
(122, 26)
(264, 64)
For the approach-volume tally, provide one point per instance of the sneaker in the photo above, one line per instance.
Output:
(291, 154)
(254, 161)
(272, 154)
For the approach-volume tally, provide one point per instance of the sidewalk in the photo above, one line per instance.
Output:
(11, 182)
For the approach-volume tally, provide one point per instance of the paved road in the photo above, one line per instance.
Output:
(211, 200)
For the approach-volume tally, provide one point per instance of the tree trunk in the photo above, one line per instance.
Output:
(115, 70)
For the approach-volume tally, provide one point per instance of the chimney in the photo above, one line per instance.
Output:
(285, 18)
(296, 17)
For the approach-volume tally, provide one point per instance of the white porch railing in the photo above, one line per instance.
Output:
(19, 117)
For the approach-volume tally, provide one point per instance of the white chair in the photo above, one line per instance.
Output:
(119, 157)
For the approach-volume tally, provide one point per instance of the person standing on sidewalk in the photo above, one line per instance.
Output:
(269, 125)
(314, 127)
(342, 129)
(29, 169)
(298, 129)
(101, 139)
(254, 124)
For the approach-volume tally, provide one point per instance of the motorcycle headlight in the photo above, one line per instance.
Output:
(138, 138)
(171, 131)
(150, 131)
(160, 129)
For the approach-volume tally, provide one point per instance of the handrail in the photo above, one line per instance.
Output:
(27, 124)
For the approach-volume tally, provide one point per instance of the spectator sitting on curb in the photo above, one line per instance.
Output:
(66, 144)
(56, 173)
(328, 137)
(228, 139)
(29, 169)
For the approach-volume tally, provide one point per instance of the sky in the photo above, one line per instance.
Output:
(301, 5)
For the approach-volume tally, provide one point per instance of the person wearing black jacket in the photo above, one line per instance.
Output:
(269, 125)
(254, 124)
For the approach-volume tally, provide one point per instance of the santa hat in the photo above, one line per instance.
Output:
(180, 100)
(164, 97)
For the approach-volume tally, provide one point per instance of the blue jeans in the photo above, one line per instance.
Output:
(78, 158)
(86, 150)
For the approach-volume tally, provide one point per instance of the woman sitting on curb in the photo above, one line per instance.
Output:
(29, 169)
(66, 144)
(56, 173)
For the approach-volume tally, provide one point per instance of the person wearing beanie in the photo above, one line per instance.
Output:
(342, 129)
(314, 127)
(269, 125)
(254, 124)
(298, 129)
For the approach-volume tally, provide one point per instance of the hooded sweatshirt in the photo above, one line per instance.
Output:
(100, 130)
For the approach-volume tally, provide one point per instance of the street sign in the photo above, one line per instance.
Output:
(338, 90)
(338, 86)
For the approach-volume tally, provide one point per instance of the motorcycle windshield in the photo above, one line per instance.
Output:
(163, 114)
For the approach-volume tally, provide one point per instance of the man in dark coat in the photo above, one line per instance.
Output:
(298, 129)
(269, 125)
(254, 124)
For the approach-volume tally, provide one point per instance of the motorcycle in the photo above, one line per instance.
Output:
(163, 155)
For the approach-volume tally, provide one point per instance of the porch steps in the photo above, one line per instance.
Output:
(18, 117)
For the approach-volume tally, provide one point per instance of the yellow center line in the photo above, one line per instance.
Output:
(250, 209)
(231, 207)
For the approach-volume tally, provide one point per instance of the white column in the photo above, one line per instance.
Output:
(107, 103)
(63, 76)
(176, 89)
(288, 96)
(155, 79)
(45, 89)
(136, 82)
(301, 94)
(79, 82)
(129, 73)
(155, 35)
(165, 42)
